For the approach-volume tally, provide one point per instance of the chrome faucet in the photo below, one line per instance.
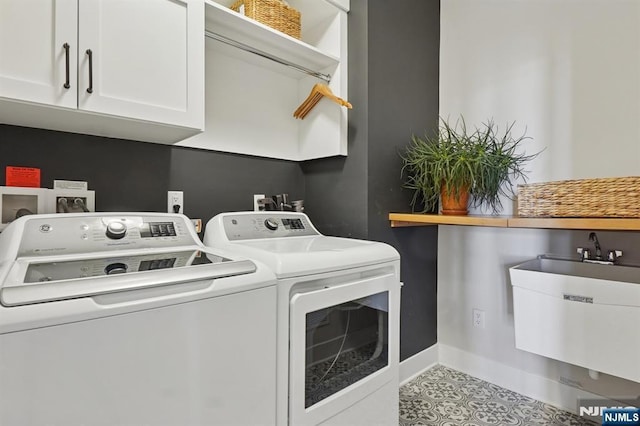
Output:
(585, 253)
(613, 255)
(593, 237)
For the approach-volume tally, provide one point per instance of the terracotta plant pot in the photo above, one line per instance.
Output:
(454, 203)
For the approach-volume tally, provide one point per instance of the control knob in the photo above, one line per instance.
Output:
(116, 230)
(115, 268)
(271, 224)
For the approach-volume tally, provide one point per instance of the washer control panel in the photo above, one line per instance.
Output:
(42, 272)
(65, 234)
(267, 225)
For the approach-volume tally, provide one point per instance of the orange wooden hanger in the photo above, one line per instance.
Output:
(319, 90)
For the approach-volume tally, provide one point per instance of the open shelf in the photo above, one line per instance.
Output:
(414, 219)
(225, 22)
(605, 224)
(256, 77)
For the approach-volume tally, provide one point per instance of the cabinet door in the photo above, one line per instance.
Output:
(33, 60)
(146, 61)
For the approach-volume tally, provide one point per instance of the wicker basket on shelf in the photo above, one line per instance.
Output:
(600, 197)
(273, 13)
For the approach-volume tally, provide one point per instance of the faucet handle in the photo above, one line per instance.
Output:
(613, 255)
(585, 253)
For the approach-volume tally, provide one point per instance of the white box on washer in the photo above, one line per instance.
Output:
(16, 201)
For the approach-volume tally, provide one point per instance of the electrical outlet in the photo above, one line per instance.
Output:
(256, 204)
(175, 198)
(197, 224)
(478, 318)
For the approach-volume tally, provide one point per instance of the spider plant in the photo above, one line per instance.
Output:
(485, 161)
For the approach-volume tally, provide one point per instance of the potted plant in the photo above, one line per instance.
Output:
(454, 165)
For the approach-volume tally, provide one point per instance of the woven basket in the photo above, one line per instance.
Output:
(273, 13)
(602, 197)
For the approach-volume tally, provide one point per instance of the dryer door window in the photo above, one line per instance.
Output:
(345, 343)
(341, 345)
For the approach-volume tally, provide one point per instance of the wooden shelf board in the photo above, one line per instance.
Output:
(606, 224)
(414, 219)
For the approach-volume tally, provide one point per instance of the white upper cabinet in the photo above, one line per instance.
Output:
(139, 52)
(38, 50)
(250, 99)
(138, 60)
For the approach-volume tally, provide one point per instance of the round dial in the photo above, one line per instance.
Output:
(116, 230)
(271, 224)
(115, 268)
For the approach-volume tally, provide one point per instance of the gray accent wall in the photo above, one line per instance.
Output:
(393, 86)
(126, 175)
(216, 182)
(135, 176)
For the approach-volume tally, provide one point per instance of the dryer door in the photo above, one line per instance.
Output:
(343, 346)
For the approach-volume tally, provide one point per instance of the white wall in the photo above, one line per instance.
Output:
(569, 72)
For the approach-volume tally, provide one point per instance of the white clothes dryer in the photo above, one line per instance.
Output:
(338, 317)
(126, 318)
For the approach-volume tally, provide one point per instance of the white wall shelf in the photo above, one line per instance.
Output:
(250, 100)
(223, 21)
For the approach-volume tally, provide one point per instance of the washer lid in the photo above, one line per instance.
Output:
(290, 257)
(289, 244)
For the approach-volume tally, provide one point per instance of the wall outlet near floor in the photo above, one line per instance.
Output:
(478, 318)
(175, 202)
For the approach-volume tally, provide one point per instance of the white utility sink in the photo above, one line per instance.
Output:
(617, 273)
(584, 314)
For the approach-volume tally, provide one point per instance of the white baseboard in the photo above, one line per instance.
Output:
(418, 363)
(528, 384)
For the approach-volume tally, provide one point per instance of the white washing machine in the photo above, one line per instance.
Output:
(338, 317)
(127, 319)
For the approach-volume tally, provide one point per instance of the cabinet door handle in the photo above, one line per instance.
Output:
(66, 57)
(90, 88)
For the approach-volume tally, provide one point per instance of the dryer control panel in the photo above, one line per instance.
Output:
(249, 226)
(67, 234)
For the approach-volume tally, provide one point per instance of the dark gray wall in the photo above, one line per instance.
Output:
(135, 176)
(337, 188)
(217, 182)
(126, 176)
(393, 85)
(403, 99)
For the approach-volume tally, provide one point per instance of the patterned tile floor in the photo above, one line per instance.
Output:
(445, 397)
